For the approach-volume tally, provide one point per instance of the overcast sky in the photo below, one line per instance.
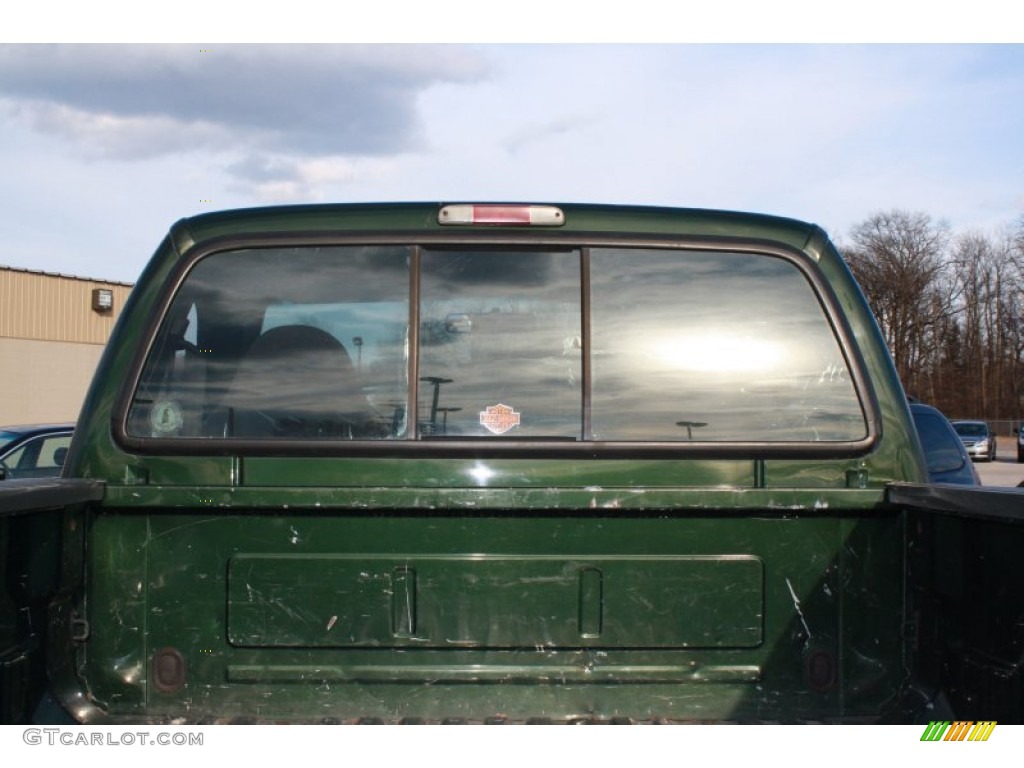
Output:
(102, 147)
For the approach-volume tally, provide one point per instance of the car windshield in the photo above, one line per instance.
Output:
(971, 429)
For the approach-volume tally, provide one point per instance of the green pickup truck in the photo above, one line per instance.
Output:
(502, 463)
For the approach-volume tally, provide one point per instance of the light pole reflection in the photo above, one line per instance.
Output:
(437, 381)
(690, 426)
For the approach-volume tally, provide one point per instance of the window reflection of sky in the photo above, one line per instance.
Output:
(735, 342)
(686, 345)
(524, 312)
(372, 333)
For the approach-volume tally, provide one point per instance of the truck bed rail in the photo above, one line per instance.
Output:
(34, 495)
(997, 504)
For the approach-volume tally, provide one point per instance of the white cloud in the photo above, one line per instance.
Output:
(826, 133)
(281, 179)
(107, 135)
(308, 100)
(532, 133)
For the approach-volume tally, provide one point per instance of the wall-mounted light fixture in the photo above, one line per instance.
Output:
(102, 300)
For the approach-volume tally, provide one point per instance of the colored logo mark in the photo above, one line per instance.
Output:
(959, 730)
(499, 418)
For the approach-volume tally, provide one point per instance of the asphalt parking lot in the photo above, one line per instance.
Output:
(1004, 470)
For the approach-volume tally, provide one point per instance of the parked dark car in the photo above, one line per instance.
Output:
(947, 457)
(35, 450)
(1020, 446)
(978, 439)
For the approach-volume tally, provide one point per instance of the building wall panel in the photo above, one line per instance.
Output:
(50, 342)
(43, 306)
(44, 381)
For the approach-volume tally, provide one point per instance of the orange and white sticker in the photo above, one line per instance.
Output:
(499, 418)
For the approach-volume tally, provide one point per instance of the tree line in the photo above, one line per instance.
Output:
(951, 308)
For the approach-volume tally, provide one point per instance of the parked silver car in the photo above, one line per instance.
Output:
(978, 439)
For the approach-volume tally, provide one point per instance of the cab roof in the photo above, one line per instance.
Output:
(579, 219)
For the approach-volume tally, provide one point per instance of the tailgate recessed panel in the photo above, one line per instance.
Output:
(495, 602)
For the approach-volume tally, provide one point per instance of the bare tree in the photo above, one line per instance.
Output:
(1013, 320)
(951, 310)
(978, 271)
(899, 258)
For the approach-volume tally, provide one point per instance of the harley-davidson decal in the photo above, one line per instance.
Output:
(499, 418)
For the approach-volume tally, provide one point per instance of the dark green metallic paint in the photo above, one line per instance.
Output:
(311, 628)
(697, 588)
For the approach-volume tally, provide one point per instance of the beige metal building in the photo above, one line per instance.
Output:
(52, 331)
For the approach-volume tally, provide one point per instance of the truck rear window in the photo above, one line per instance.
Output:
(409, 343)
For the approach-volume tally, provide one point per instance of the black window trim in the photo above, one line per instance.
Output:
(501, 447)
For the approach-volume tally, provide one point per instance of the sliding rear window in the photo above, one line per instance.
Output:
(399, 344)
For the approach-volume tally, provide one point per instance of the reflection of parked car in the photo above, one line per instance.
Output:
(36, 450)
(978, 439)
(947, 457)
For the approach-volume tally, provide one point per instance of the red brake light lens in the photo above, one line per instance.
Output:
(502, 215)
